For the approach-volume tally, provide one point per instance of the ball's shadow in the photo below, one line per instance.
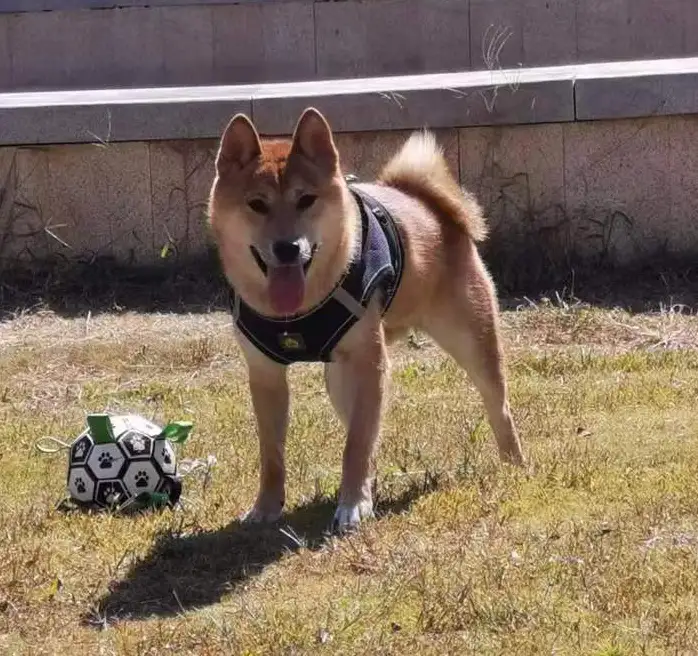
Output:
(189, 571)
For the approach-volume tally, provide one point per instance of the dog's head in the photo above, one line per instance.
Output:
(277, 211)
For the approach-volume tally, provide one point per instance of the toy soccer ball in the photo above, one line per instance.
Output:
(119, 460)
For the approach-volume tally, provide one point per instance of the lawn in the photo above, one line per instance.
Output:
(593, 552)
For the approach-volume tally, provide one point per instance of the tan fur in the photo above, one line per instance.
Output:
(278, 176)
(420, 170)
(445, 290)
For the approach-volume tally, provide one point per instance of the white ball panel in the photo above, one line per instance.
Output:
(165, 456)
(140, 477)
(81, 485)
(106, 461)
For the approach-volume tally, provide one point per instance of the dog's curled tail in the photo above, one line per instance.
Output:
(420, 170)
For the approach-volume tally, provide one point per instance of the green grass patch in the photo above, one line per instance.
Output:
(594, 551)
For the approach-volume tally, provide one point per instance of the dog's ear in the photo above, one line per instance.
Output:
(239, 145)
(312, 138)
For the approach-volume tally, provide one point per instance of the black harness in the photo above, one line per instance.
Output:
(312, 336)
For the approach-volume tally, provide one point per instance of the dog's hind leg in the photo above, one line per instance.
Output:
(463, 321)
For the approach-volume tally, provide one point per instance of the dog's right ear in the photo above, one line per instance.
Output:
(312, 138)
(239, 145)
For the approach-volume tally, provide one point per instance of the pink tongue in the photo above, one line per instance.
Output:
(286, 288)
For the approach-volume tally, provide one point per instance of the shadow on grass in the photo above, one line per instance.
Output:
(189, 571)
(196, 284)
(74, 288)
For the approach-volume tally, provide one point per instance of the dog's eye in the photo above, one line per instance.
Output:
(305, 201)
(259, 206)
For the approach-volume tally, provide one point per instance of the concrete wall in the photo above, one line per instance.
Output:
(182, 42)
(560, 181)
(615, 191)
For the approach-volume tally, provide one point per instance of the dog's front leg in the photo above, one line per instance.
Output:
(270, 399)
(364, 374)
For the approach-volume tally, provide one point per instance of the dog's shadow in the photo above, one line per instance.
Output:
(192, 570)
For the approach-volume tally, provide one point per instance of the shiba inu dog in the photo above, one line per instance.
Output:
(323, 270)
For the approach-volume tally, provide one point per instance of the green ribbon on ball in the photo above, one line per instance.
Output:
(177, 431)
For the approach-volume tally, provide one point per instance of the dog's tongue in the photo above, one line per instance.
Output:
(286, 288)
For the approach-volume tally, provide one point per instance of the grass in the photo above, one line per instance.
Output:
(593, 553)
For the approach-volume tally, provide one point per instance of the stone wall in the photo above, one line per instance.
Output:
(601, 191)
(182, 42)
(124, 173)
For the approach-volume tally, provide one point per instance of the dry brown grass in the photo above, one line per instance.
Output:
(593, 553)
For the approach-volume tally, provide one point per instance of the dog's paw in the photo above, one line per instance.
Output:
(349, 515)
(262, 513)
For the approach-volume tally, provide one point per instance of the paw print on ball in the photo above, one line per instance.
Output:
(80, 449)
(136, 444)
(110, 493)
(165, 455)
(80, 484)
(141, 476)
(105, 461)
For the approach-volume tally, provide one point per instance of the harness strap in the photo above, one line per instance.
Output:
(348, 301)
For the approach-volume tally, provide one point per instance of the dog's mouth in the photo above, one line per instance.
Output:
(285, 282)
(264, 267)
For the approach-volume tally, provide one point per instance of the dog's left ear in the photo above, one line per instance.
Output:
(312, 138)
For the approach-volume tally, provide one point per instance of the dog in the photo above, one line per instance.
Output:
(321, 270)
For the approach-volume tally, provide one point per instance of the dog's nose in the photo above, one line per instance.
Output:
(286, 252)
